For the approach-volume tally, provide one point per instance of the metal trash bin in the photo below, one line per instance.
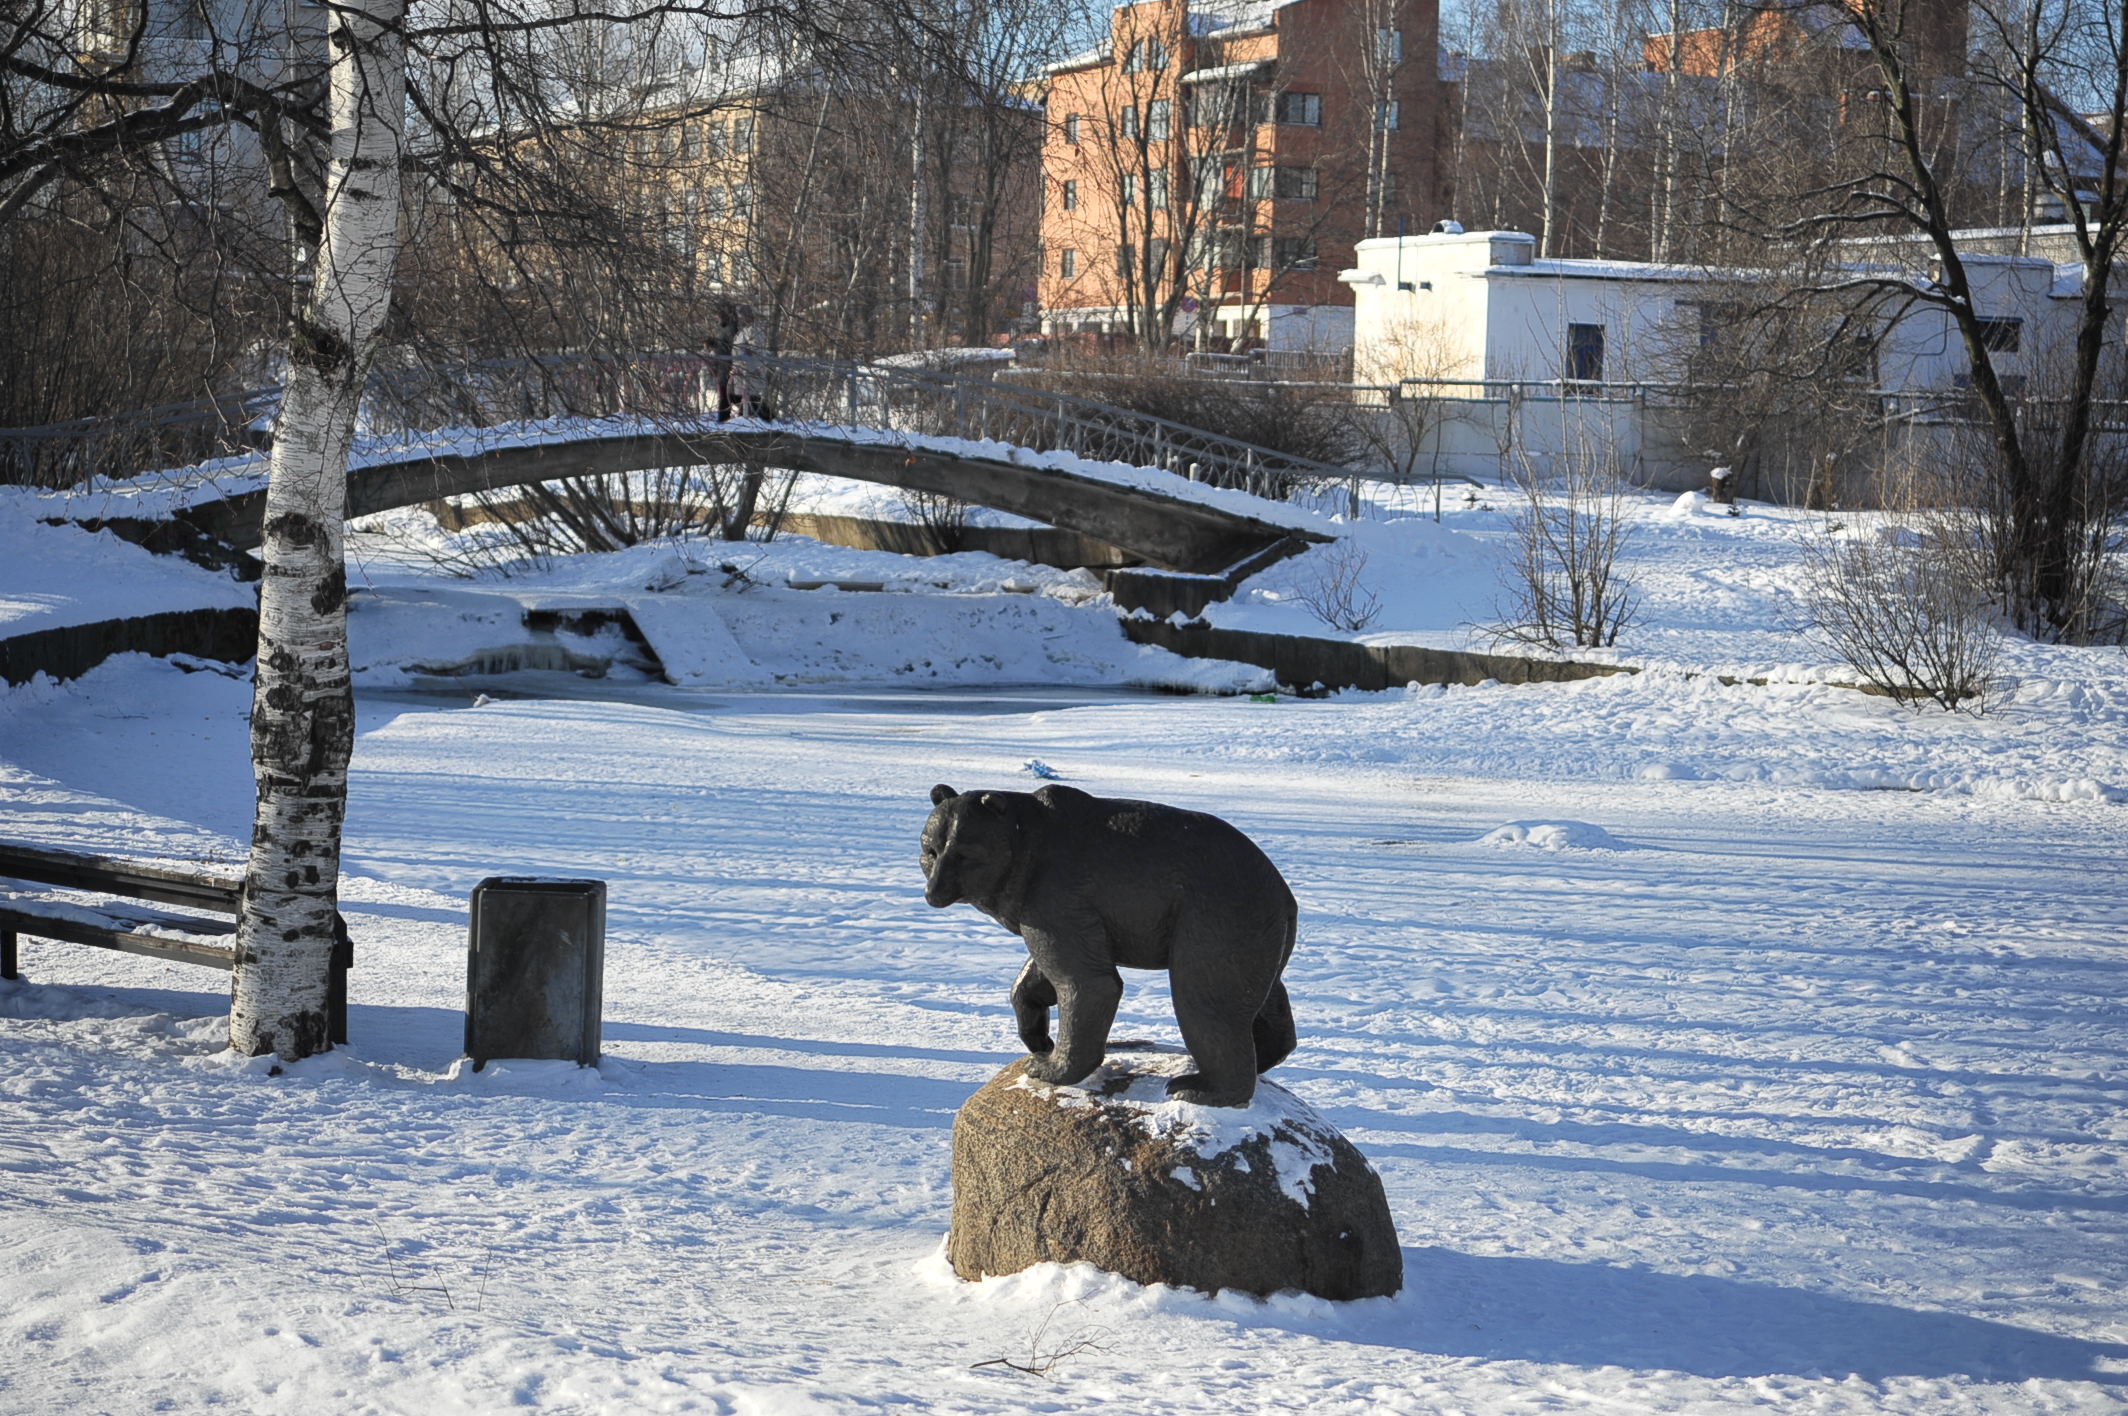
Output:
(535, 969)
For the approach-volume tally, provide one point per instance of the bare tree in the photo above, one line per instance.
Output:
(1331, 581)
(2049, 488)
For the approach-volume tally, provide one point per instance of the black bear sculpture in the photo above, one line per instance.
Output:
(1091, 884)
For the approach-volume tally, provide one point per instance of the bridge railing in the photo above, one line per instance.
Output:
(947, 405)
(127, 444)
(681, 385)
(857, 393)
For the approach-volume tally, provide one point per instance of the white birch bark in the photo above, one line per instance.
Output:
(302, 718)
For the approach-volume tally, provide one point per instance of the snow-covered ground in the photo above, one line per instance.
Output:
(1719, 1047)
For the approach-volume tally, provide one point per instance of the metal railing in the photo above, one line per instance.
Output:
(681, 385)
(127, 444)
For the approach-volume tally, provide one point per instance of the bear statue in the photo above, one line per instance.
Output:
(1092, 883)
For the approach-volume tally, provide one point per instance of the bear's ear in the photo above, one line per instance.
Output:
(940, 792)
(995, 804)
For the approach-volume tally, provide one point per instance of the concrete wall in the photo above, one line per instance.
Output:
(1483, 439)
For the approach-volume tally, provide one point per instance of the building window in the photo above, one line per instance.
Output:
(1071, 196)
(1156, 188)
(1071, 129)
(1295, 253)
(1156, 120)
(1295, 184)
(713, 267)
(1715, 318)
(742, 199)
(1126, 260)
(1148, 54)
(1208, 179)
(1385, 116)
(1130, 188)
(1389, 46)
(1584, 353)
(2002, 336)
(742, 135)
(1068, 263)
(1302, 108)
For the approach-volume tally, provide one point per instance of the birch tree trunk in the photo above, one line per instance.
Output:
(302, 716)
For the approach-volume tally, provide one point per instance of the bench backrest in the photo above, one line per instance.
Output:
(160, 883)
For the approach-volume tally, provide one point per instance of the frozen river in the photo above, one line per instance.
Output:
(1793, 1078)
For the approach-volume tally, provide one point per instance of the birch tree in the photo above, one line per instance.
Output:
(93, 107)
(303, 710)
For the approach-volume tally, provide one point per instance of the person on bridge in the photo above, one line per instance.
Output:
(717, 344)
(749, 383)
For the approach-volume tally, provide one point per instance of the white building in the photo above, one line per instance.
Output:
(1580, 346)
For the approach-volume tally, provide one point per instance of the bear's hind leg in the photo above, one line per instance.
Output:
(1222, 1046)
(1272, 1030)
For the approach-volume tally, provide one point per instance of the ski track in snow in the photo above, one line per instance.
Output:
(1788, 1095)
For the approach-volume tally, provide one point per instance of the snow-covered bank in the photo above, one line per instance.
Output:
(1750, 1047)
(720, 616)
(52, 577)
(1716, 594)
(1809, 1100)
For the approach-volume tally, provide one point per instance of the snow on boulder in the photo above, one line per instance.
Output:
(1111, 1172)
(1554, 836)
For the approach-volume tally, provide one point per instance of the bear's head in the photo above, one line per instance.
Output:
(967, 846)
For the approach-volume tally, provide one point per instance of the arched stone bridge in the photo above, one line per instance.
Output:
(1183, 530)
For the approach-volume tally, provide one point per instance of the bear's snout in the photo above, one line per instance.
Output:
(938, 891)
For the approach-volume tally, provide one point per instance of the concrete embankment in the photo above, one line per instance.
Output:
(1304, 663)
(230, 634)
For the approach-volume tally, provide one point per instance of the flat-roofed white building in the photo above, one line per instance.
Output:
(1590, 347)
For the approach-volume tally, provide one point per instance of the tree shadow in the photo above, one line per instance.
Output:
(1595, 1315)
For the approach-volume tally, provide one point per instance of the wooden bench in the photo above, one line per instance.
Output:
(207, 938)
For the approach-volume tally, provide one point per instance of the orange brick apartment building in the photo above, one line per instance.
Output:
(1211, 165)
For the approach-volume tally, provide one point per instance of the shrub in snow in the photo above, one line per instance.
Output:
(1561, 583)
(1327, 580)
(1906, 612)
